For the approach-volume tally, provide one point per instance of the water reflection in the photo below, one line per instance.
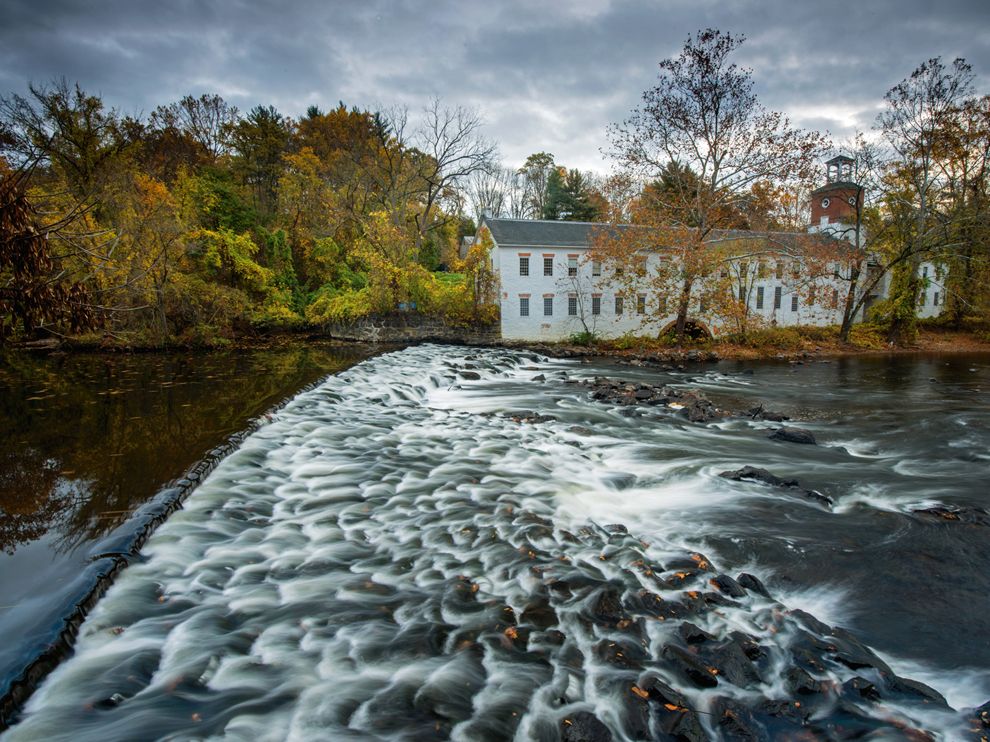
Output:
(85, 439)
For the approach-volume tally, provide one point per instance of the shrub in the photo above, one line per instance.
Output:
(586, 338)
(331, 305)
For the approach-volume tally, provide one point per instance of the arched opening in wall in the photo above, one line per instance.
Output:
(693, 329)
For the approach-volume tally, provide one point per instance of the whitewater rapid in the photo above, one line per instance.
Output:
(405, 552)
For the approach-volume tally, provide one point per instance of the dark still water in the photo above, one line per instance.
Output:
(85, 439)
(461, 543)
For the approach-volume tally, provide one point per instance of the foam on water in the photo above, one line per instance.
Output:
(375, 563)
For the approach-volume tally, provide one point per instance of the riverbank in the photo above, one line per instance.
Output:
(788, 346)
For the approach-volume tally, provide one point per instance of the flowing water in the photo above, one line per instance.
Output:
(437, 544)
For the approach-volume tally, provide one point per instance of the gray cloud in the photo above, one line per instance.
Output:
(546, 77)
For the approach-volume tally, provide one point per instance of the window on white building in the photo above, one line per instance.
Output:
(572, 305)
(571, 265)
(759, 297)
(935, 298)
(780, 269)
(596, 304)
(777, 295)
(523, 306)
(523, 265)
(547, 265)
(596, 267)
(742, 293)
(548, 306)
(794, 303)
(835, 298)
(641, 304)
(618, 305)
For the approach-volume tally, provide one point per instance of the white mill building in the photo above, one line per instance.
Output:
(550, 290)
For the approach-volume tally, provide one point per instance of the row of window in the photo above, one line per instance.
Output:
(619, 305)
(572, 305)
(572, 266)
(743, 268)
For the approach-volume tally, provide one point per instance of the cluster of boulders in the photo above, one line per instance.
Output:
(656, 628)
(690, 404)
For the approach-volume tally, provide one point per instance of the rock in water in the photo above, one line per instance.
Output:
(584, 727)
(756, 474)
(793, 435)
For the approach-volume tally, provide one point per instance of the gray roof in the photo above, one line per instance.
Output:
(544, 233)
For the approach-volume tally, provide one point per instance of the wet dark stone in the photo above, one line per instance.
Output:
(753, 584)
(718, 599)
(728, 586)
(621, 653)
(642, 394)
(736, 722)
(969, 516)
(760, 413)
(693, 634)
(689, 667)
(580, 430)
(801, 683)
(855, 655)
(646, 603)
(583, 726)
(616, 528)
(858, 687)
(810, 622)
(731, 662)
(793, 435)
(913, 688)
(607, 609)
(539, 377)
(748, 644)
(981, 715)
(755, 474)
(672, 715)
(108, 703)
(560, 588)
(539, 614)
(469, 375)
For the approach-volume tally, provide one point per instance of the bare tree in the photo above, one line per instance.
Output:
(455, 149)
(208, 120)
(704, 118)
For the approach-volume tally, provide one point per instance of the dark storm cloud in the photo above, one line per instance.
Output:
(545, 78)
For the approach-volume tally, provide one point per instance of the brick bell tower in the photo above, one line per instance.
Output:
(833, 206)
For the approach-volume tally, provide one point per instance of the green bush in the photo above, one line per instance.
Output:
(585, 338)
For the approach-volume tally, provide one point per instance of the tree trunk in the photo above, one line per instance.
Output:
(849, 311)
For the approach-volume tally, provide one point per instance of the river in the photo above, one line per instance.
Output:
(462, 543)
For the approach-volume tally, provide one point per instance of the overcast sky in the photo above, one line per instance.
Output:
(545, 76)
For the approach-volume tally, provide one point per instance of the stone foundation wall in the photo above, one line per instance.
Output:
(410, 327)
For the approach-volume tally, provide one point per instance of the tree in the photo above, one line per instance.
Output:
(570, 197)
(37, 288)
(209, 121)
(66, 130)
(260, 140)
(455, 149)
(536, 171)
(703, 117)
(918, 110)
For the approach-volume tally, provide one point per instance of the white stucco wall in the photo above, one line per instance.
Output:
(560, 325)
